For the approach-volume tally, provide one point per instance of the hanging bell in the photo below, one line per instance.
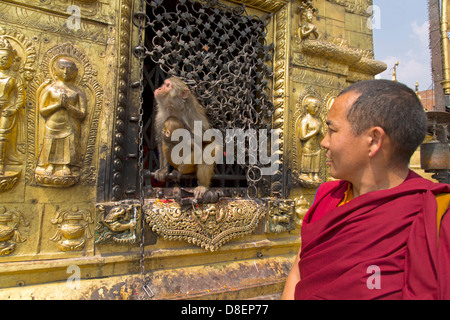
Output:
(435, 155)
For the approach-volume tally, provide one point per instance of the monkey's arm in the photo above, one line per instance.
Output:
(163, 170)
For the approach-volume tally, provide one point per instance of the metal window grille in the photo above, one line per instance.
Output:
(222, 54)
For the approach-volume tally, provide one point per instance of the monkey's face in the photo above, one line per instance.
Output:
(172, 95)
(164, 89)
(166, 133)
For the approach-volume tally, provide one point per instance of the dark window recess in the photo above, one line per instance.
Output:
(221, 53)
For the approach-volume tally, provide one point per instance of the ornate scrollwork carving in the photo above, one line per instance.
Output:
(265, 5)
(354, 6)
(281, 216)
(117, 223)
(208, 225)
(339, 52)
(73, 228)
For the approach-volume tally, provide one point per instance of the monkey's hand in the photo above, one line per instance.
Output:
(161, 174)
(176, 175)
(199, 192)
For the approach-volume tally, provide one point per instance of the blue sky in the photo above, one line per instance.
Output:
(401, 34)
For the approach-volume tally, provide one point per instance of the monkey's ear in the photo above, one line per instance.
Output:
(184, 93)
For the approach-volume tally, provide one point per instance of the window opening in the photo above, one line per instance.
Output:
(221, 53)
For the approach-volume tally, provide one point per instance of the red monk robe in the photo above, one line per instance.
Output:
(394, 230)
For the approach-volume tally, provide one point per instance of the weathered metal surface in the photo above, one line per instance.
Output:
(238, 280)
(435, 155)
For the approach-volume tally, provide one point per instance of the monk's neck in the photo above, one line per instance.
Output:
(379, 181)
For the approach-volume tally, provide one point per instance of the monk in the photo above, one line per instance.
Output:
(382, 231)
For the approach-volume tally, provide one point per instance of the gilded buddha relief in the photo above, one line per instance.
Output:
(68, 105)
(17, 57)
(310, 129)
(12, 98)
(306, 29)
(63, 106)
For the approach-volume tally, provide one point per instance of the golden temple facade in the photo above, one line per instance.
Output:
(81, 216)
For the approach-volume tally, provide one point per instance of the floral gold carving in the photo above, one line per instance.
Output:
(52, 17)
(10, 221)
(73, 228)
(206, 225)
(280, 80)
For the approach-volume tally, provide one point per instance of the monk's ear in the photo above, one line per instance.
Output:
(377, 138)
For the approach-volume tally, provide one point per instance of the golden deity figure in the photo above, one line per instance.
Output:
(63, 106)
(306, 28)
(309, 134)
(12, 97)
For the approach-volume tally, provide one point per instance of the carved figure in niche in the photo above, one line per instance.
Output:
(309, 134)
(12, 97)
(117, 225)
(306, 28)
(63, 106)
(10, 232)
(73, 229)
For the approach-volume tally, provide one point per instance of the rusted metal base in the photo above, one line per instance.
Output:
(245, 279)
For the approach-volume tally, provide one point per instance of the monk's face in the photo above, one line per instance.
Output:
(346, 152)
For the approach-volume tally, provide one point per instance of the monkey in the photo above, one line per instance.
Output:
(175, 100)
(170, 125)
(187, 165)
